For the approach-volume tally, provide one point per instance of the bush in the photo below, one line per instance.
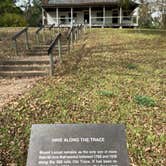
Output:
(11, 19)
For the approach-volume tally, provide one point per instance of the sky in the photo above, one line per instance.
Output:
(21, 2)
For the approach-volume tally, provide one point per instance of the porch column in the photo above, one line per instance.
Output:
(103, 16)
(57, 16)
(90, 17)
(120, 14)
(137, 22)
(43, 17)
(71, 17)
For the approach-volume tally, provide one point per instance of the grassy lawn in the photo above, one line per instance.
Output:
(113, 76)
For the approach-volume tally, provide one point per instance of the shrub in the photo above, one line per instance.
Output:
(11, 19)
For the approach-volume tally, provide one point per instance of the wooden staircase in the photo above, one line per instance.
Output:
(35, 62)
(25, 66)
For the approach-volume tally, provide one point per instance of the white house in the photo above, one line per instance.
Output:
(93, 13)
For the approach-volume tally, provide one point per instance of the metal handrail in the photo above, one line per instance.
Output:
(37, 33)
(75, 30)
(39, 29)
(17, 35)
(59, 25)
(51, 26)
(69, 33)
(52, 45)
(57, 40)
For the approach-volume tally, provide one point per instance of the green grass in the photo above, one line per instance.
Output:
(145, 101)
(99, 83)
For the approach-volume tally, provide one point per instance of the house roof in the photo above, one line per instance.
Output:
(78, 3)
(81, 2)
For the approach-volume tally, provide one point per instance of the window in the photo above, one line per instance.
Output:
(74, 16)
(126, 15)
(63, 20)
(99, 16)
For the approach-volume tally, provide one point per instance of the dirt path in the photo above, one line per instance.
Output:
(12, 88)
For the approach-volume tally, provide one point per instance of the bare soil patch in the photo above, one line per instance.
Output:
(12, 88)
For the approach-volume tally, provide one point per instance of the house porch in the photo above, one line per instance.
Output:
(99, 16)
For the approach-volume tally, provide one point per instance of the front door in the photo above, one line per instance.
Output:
(115, 16)
(86, 17)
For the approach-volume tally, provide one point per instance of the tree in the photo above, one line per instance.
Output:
(8, 6)
(145, 18)
(34, 15)
(10, 14)
(32, 11)
(125, 3)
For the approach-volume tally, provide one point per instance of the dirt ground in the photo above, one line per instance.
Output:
(12, 88)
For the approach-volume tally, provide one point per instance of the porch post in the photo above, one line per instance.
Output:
(43, 16)
(57, 16)
(137, 19)
(103, 16)
(71, 17)
(90, 17)
(120, 14)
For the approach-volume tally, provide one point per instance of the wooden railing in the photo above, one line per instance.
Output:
(57, 41)
(17, 35)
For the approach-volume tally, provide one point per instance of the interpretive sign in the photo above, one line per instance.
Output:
(77, 145)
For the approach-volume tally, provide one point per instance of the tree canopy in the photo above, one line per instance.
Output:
(29, 12)
(10, 14)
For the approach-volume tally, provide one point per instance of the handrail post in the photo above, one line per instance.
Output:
(51, 64)
(69, 42)
(37, 39)
(57, 40)
(15, 47)
(75, 32)
(71, 36)
(26, 39)
(59, 49)
(59, 28)
(44, 38)
(38, 34)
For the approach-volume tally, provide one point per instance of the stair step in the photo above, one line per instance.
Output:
(23, 62)
(46, 47)
(23, 68)
(23, 74)
(36, 53)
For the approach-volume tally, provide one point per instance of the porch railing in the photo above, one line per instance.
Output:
(115, 20)
(101, 21)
